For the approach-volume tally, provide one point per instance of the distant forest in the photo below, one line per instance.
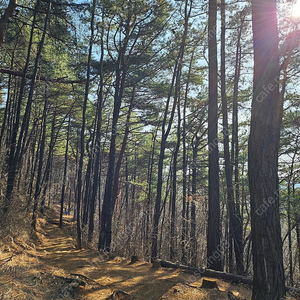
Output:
(168, 129)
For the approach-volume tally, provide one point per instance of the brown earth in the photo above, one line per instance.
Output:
(43, 269)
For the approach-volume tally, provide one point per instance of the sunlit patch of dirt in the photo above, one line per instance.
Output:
(194, 291)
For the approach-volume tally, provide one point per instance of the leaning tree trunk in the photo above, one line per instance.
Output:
(269, 281)
(21, 145)
(165, 134)
(13, 156)
(166, 131)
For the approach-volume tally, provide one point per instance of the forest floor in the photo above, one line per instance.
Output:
(45, 268)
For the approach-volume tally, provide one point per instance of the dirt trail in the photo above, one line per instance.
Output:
(139, 279)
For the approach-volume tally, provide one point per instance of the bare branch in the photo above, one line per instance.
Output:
(42, 78)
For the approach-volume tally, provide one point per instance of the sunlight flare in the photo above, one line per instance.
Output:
(296, 10)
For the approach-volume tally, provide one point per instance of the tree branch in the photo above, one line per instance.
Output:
(42, 78)
(216, 274)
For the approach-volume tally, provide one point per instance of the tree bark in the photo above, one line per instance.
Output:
(165, 134)
(213, 226)
(235, 222)
(13, 157)
(38, 187)
(5, 122)
(26, 118)
(174, 185)
(48, 168)
(116, 189)
(237, 219)
(82, 133)
(47, 173)
(185, 204)
(298, 242)
(195, 146)
(166, 131)
(107, 208)
(5, 19)
(149, 193)
(266, 117)
(97, 166)
(63, 188)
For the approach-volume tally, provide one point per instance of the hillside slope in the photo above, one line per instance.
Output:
(51, 268)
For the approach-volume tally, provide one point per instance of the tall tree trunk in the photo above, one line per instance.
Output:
(290, 235)
(38, 187)
(82, 133)
(107, 207)
(13, 157)
(11, 118)
(151, 162)
(165, 134)
(9, 101)
(122, 151)
(213, 226)
(235, 222)
(54, 135)
(34, 163)
(88, 177)
(185, 212)
(298, 241)
(116, 189)
(86, 194)
(195, 145)
(163, 209)
(228, 165)
(46, 177)
(175, 159)
(238, 221)
(26, 118)
(266, 118)
(166, 131)
(174, 185)
(105, 234)
(63, 188)
(96, 179)
(5, 19)
(126, 196)
(291, 181)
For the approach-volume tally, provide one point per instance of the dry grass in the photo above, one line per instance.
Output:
(22, 274)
